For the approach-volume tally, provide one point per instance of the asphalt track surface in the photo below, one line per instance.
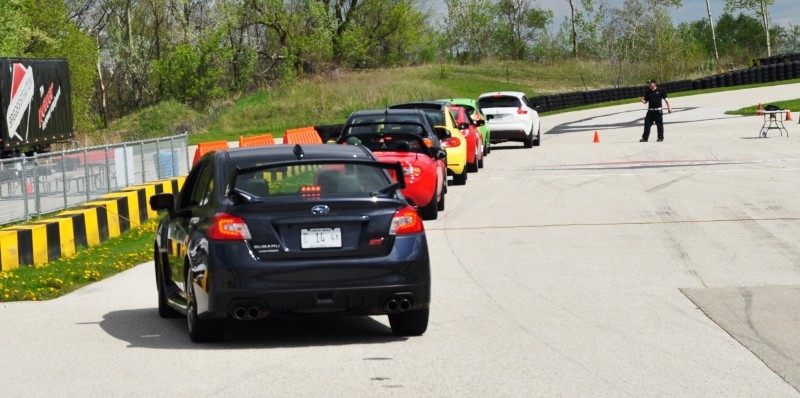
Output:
(616, 268)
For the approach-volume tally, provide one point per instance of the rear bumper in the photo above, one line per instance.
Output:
(352, 285)
(509, 131)
(508, 135)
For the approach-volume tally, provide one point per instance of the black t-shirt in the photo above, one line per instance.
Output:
(653, 97)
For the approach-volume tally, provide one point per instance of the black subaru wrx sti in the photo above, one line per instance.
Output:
(297, 230)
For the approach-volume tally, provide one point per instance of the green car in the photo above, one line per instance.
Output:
(475, 113)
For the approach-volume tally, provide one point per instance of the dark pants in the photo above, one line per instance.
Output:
(653, 116)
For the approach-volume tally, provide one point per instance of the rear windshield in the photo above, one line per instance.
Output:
(499, 102)
(470, 110)
(362, 119)
(313, 180)
(376, 128)
(436, 116)
(388, 142)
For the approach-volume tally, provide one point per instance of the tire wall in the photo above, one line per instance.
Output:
(772, 69)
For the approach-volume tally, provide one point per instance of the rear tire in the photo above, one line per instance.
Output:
(431, 210)
(410, 323)
(440, 204)
(201, 330)
(460, 179)
(538, 140)
(529, 140)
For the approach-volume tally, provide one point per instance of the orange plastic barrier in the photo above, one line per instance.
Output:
(259, 140)
(302, 135)
(206, 147)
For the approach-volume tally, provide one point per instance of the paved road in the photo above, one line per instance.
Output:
(616, 268)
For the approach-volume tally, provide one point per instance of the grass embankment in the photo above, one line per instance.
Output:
(331, 98)
(313, 102)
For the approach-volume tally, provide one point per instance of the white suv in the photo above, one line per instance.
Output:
(511, 117)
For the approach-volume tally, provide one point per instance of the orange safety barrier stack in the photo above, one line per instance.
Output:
(259, 140)
(206, 147)
(302, 135)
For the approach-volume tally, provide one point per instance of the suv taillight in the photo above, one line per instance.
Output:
(227, 227)
(521, 111)
(406, 221)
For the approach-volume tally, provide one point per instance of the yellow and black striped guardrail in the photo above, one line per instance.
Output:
(88, 224)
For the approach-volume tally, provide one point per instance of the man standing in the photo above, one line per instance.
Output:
(652, 97)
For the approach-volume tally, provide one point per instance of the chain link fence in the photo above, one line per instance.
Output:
(45, 183)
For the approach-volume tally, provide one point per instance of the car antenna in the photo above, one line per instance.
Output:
(298, 151)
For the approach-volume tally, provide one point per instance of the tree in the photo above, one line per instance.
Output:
(469, 27)
(519, 26)
(740, 38)
(15, 26)
(758, 7)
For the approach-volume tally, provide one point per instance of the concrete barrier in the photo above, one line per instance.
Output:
(87, 225)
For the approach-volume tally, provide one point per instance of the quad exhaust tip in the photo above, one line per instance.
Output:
(399, 303)
(248, 313)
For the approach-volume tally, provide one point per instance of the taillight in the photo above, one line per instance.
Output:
(411, 170)
(406, 221)
(521, 111)
(451, 142)
(227, 227)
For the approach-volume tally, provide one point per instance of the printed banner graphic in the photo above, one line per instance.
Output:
(22, 89)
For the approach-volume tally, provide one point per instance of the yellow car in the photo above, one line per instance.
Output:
(455, 145)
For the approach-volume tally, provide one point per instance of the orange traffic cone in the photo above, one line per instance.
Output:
(29, 187)
(596, 137)
(760, 110)
(788, 115)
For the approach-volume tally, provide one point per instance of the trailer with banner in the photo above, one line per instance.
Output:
(35, 104)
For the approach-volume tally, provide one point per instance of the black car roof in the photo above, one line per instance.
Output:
(420, 105)
(387, 111)
(284, 153)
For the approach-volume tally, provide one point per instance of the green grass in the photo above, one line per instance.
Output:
(161, 120)
(89, 265)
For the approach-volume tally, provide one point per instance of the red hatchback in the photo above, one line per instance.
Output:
(469, 128)
(424, 168)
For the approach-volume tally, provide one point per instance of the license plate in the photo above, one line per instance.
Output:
(320, 238)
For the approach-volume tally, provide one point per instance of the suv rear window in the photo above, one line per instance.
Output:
(499, 102)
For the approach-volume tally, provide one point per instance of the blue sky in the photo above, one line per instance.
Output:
(782, 12)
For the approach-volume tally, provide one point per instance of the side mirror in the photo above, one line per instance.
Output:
(163, 201)
(463, 126)
(442, 132)
(480, 123)
(441, 154)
